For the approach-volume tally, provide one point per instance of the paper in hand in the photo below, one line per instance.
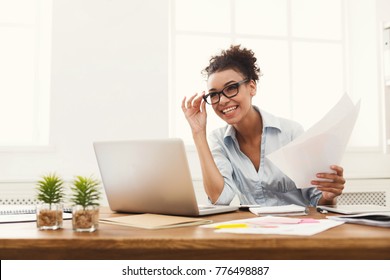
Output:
(320, 146)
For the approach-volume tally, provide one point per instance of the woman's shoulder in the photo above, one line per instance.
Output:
(290, 124)
(286, 126)
(293, 128)
(219, 133)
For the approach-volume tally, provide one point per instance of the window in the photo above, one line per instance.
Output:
(25, 28)
(306, 67)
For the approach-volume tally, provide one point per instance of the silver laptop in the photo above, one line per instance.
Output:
(354, 209)
(150, 176)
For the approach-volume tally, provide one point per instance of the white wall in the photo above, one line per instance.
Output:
(109, 81)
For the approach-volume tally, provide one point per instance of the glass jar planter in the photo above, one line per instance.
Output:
(49, 216)
(85, 219)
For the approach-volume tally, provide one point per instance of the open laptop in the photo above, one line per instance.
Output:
(150, 176)
(354, 209)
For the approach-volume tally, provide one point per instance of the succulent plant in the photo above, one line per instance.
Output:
(50, 189)
(85, 191)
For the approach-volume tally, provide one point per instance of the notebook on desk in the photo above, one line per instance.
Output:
(150, 176)
(353, 209)
(24, 213)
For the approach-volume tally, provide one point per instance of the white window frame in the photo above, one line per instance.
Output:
(42, 29)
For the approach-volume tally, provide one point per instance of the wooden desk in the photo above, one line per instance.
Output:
(348, 241)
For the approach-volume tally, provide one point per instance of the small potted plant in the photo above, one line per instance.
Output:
(85, 197)
(50, 193)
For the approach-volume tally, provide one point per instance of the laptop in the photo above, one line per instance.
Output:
(354, 209)
(150, 176)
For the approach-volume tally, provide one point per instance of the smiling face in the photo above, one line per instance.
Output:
(235, 109)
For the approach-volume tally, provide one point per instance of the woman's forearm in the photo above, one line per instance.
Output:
(212, 179)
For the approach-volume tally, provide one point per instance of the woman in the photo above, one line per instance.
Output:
(234, 162)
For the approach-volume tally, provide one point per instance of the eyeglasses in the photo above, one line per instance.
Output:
(229, 92)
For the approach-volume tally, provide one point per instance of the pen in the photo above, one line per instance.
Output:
(322, 211)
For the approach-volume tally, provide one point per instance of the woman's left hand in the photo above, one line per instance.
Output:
(333, 184)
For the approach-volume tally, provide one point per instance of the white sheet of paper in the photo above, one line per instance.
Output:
(320, 146)
(278, 225)
(287, 229)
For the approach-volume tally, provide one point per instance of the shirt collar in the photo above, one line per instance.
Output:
(269, 121)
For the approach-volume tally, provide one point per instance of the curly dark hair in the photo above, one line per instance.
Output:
(239, 59)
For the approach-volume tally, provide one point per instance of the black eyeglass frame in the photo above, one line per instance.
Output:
(222, 92)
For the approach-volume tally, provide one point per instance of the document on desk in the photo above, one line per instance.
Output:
(282, 210)
(275, 225)
(154, 221)
(379, 219)
(320, 146)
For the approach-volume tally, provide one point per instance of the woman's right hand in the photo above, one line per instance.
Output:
(194, 110)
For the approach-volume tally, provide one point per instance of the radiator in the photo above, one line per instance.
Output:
(355, 198)
(18, 200)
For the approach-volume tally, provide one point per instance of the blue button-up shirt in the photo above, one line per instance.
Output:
(268, 186)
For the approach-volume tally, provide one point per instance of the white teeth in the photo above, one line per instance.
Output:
(227, 110)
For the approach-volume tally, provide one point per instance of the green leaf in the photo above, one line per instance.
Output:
(50, 189)
(85, 191)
